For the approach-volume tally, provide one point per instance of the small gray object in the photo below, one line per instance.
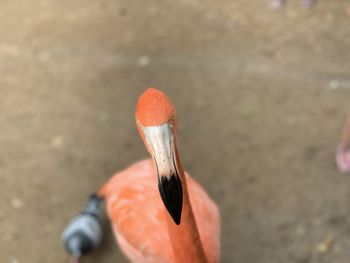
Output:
(84, 232)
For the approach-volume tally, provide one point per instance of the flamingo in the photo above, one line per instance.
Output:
(343, 154)
(278, 4)
(178, 222)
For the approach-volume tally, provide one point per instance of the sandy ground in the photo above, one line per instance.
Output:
(261, 98)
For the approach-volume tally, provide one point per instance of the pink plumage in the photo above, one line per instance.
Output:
(138, 216)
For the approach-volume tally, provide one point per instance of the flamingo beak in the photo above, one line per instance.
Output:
(161, 145)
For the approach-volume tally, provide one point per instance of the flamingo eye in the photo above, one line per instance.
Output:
(138, 123)
(172, 119)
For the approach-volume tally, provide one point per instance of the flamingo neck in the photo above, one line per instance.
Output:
(343, 155)
(345, 136)
(185, 238)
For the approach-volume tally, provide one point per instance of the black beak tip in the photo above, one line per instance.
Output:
(177, 220)
(175, 214)
(170, 190)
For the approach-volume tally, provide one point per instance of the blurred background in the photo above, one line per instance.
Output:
(261, 97)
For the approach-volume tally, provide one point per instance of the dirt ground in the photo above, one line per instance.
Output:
(261, 97)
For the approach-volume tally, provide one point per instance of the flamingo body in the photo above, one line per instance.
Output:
(139, 218)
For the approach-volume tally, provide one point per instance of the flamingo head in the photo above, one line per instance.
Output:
(156, 123)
